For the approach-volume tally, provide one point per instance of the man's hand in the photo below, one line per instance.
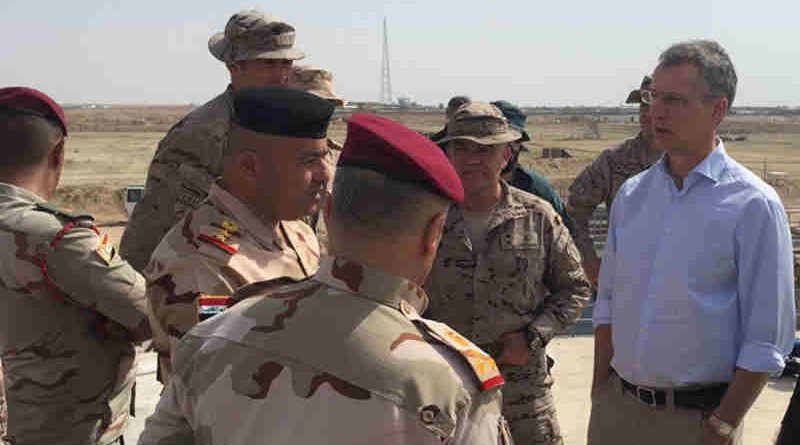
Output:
(711, 437)
(515, 349)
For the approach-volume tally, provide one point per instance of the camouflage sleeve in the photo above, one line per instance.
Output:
(173, 302)
(168, 424)
(566, 280)
(85, 267)
(187, 162)
(590, 188)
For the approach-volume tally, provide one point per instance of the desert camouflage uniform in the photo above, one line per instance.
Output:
(187, 161)
(342, 358)
(67, 303)
(214, 250)
(599, 182)
(528, 276)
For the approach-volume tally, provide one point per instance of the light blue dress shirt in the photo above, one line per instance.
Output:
(698, 281)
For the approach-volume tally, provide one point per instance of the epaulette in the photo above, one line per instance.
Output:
(47, 208)
(219, 236)
(262, 288)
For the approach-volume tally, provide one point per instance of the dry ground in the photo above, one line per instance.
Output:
(111, 148)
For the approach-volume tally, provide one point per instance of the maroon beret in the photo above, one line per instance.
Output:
(388, 147)
(29, 101)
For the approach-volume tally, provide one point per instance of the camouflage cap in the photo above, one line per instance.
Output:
(635, 96)
(252, 34)
(482, 123)
(315, 81)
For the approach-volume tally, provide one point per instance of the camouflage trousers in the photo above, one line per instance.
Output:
(528, 405)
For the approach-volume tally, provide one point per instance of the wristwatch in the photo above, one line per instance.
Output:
(721, 427)
(535, 339)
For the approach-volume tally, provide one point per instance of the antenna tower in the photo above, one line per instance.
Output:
(386, 76)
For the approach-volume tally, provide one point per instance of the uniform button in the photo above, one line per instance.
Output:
(429, 414)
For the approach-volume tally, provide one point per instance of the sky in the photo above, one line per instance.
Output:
(532, 53)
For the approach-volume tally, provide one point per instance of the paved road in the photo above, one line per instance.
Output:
(572, 374)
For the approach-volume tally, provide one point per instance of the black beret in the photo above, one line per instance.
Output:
(282, 112)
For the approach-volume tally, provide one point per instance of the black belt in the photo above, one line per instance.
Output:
(703, 399)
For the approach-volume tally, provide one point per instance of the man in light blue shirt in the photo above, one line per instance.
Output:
(695, 305)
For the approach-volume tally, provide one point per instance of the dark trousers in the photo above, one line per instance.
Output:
(790, 427)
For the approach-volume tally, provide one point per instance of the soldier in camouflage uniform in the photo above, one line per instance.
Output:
(344, 357)
(319, 82)
(248, 228)
(257, 49)
(600, 180)
(507, 274)
(70, 308)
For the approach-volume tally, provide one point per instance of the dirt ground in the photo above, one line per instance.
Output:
(109, 149)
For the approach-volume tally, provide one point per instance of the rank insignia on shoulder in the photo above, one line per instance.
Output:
(221, 236)
(105, 250)
(482, 364)
(210, 305)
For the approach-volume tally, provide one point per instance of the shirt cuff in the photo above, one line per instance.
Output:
(601, 312)
(761, 357)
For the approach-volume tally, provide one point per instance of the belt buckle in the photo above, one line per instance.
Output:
(643, 394)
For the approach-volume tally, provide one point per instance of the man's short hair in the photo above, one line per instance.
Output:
(710, 59)
(25, 139)
(370, 201)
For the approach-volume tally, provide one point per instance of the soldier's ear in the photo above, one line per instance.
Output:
(433, 234)
(55, 159)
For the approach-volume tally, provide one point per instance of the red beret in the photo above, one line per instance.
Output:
(28, 100)
(388, 147)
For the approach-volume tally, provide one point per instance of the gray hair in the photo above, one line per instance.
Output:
(710, 59)
(370, 201)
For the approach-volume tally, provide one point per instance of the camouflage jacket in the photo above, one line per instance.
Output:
(214, 250)
(599, 183)
(342, 358)
(67, 303)
(187, 161)
(528, 276)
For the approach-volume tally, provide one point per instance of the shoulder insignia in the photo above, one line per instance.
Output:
(223, 234)
(105, 249)
(210, 305)
(481, 363)
(262, 288)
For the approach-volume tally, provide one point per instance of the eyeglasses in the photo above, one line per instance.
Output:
(669, 99)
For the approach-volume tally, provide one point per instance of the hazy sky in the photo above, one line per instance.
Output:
(558, 52)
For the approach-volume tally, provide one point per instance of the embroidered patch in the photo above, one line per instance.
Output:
(483, 366)
(105, 250)
(210, 305)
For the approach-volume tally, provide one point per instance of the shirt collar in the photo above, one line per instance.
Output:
(370, 283)
(20, 193)
(223, 199)
(711, 167)
(507, 208)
